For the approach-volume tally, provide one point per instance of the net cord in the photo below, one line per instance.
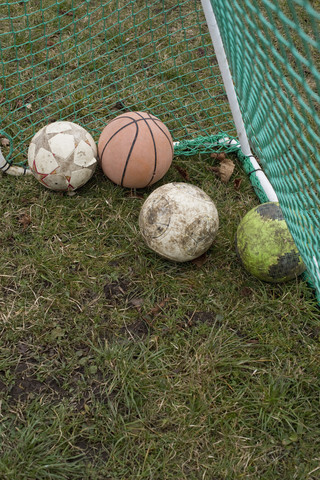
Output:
(233, 101)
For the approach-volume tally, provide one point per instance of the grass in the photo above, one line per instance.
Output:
(115, 363)
(118, 364)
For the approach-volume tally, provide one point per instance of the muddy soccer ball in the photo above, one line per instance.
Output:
(62, 156)
(179, 221)
(265, 246)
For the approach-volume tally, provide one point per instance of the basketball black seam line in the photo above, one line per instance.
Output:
(155, 149)
(134, 121)
(114, 134)
(131, 148)
(154, 119)
(129, 154)
(138, 120)
(164, 133)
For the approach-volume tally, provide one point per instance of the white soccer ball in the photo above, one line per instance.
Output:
(179, 221)
(62, 156)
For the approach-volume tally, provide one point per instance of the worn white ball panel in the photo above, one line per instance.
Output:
(82, 155)
(179, 221)
(56, 182)
(62, 156)
(58, 127)
(62, 145)
(78, 177)
(45, 161)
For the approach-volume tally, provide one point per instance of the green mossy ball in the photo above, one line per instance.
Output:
(265, 245)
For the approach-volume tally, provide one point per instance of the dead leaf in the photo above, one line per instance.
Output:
(5, 142)
(225, 170)
(155, 310)
(218, 156)
(24, 220)
(66, 12)
(184, 174)
(120, 106)
(52, 40)
(136, 303)
(246, 291)
(199, 261)
(236, 183)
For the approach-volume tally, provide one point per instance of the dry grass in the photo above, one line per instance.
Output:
(117, 364)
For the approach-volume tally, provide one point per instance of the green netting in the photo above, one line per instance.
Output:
(273, 51)
(88, 61)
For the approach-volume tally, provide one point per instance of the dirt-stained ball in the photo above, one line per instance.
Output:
(62, 156)
(265, 246)
(179, 221)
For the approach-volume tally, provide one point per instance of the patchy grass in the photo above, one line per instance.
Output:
(118, 364)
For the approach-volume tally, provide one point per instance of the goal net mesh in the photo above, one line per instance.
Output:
(88, 61)
(273, 49)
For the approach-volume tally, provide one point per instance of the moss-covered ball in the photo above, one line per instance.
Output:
(265, 246)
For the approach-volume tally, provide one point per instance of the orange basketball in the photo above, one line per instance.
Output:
(135, 149)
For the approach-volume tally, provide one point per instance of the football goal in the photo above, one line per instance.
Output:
(240, 76)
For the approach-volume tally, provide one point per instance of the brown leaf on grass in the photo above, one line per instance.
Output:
(150, 316)
(66, 12)
(136, 303)
(5, 142)
(236, 183)
(24, 220)
(157, 308)
(52, 40)
(218, 156)
(246, 291)
(184, 174)
(120, 106)
(199, 261)
(224, 170)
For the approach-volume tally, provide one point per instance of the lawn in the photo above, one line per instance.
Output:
(117, 364)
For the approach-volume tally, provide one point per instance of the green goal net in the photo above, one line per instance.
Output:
(91, 60)
(273, 49)
(88, 61)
